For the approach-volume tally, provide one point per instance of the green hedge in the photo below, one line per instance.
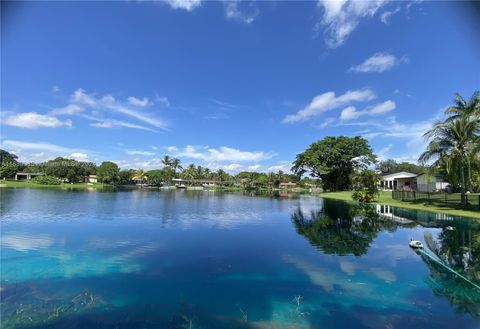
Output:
(47, 180)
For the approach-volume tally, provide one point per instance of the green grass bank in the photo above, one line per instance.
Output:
(435, 205)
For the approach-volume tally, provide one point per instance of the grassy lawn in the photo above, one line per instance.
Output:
(435, 205)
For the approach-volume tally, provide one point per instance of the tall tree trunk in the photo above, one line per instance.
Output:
(462, 178)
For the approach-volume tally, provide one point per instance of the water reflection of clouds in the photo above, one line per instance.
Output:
(26, 241)
(97, 257)
(224, 220)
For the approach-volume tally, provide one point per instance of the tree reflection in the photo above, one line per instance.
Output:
(460, 250)
(341, 228)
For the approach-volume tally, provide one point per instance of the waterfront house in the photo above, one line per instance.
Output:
(406, 181)
(27, 175)
(288, 185)
(91, 179)
(399, 181)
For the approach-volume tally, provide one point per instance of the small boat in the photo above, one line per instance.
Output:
(415, 244)
(449, 228)
(183, 186)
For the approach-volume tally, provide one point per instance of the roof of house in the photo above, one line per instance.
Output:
(289, 183)
(400, 174)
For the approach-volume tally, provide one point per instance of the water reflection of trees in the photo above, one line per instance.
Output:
(460, 250)
(341, 229)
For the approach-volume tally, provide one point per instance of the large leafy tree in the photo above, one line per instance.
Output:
(68, 169)
(108, 172)
(9, 164)
(333, 160)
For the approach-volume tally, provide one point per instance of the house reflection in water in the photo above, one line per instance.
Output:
(406, 216)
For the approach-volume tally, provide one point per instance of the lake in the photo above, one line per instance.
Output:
(207, 259)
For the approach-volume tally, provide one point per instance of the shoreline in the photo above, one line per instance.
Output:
(385, 197)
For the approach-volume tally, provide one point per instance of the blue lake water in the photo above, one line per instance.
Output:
(204, 259)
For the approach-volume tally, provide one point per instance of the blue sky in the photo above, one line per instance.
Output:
(232, 85)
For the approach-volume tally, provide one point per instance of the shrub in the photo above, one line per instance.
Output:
(365, 185)
(47, 180)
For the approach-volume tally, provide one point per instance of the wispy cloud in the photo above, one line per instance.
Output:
(222, 154)
(329, 101)
(139, 102)
(41, 151)
(351, 113)
(80, 99)
(162, 100)
(386, 15)
(138, 152)
(241, 11)
(379, 63)
(341, 17)
(70, 109)
(110, 123)
(187, 5)
(34, 120)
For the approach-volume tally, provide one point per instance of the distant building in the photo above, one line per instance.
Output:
(288, 185)
(27, 175)
(91, 179)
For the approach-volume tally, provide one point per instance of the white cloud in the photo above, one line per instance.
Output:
(35, 120)
(162, 100)
(137, 152)
(139, 102)
(187, 5)
(245, 15)
(109, 123)
(40, 151)
(385, 16)
(351, 113)
(70, 109)
(341, 17)
(378, 62)
(108, 102)
(328, 101)
(79, 156)
(55, 89)
(223, 154)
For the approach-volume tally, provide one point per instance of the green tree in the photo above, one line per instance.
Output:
(8, 164)
(333, 160)
(167, 161)
(365, 185)
(108, 173)
(125, 176)
(68, 169)
(156, 177)
(176, 165)
(453, 143)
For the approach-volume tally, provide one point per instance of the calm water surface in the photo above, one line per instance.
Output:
(199, 259)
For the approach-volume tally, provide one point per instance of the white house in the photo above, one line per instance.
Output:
(398, 181)
(406, 181)
(27, 175)
(431, 183)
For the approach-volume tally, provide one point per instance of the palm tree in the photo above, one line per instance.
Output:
(175, 163)
(140, 175)
(464, 108)
(167, 161)
(453, 142)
